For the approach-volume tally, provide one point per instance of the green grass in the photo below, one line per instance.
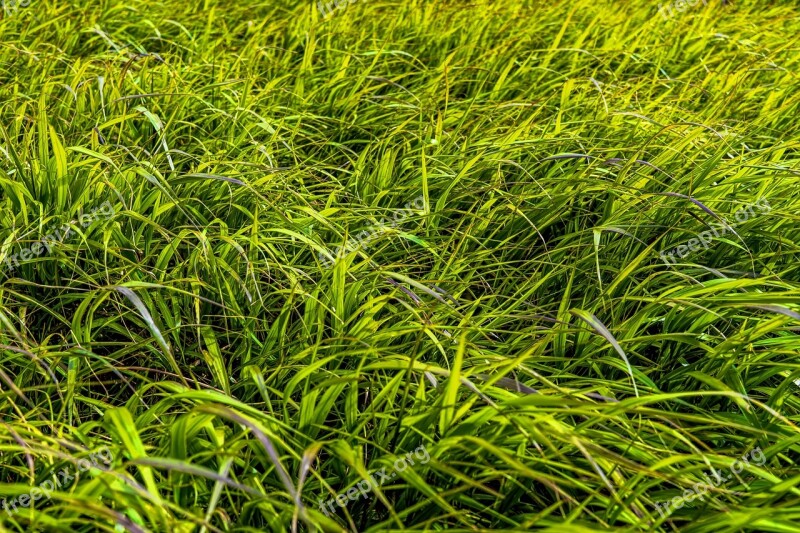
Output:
(520, 326)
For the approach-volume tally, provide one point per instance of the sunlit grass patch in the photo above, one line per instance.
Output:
(335, 241)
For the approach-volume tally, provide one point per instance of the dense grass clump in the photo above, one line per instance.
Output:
(498, 265)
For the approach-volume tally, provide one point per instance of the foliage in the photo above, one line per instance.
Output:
(520, 325)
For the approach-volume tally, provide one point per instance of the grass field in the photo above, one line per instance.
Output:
(425, 265)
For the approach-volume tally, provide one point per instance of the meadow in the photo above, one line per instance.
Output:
(419, 265)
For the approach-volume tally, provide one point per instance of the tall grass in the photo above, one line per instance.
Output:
(520, 326)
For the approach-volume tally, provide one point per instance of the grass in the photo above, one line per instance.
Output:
(519, 326)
